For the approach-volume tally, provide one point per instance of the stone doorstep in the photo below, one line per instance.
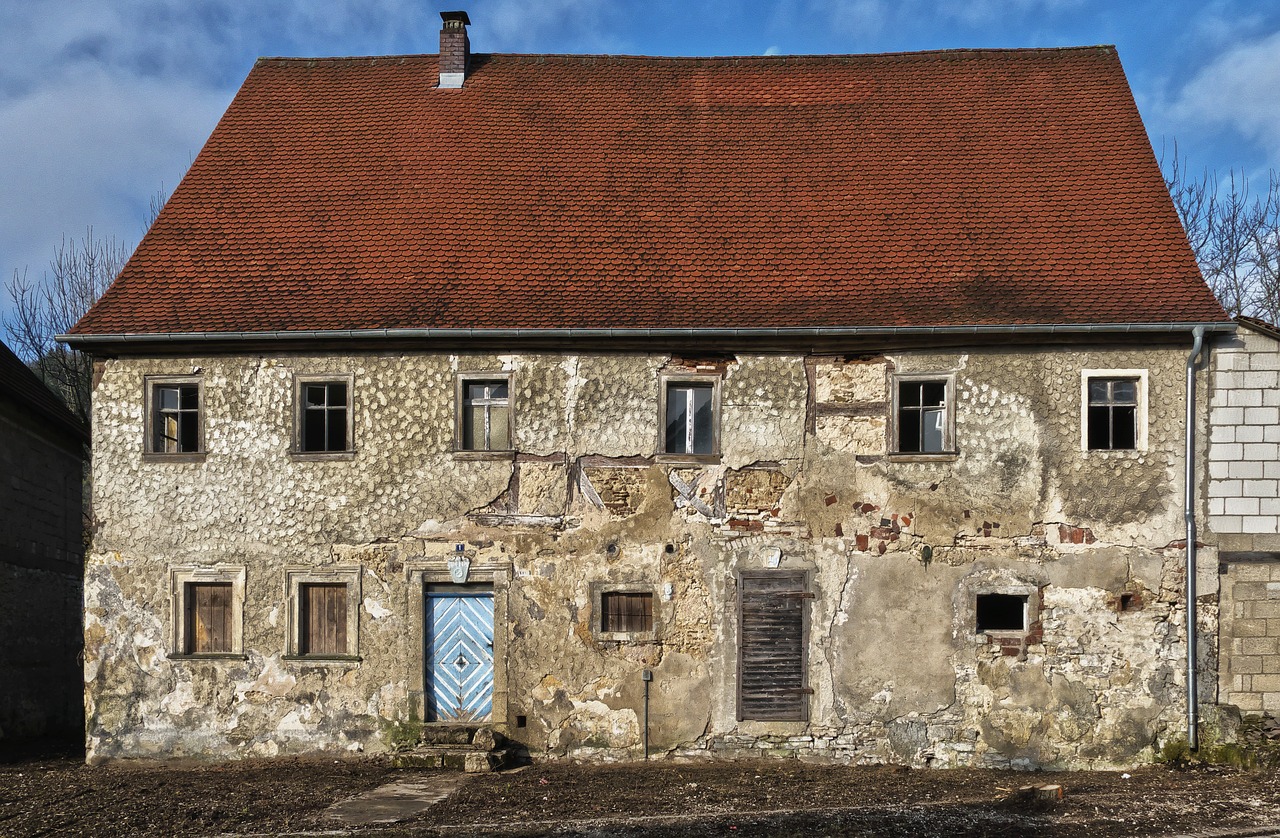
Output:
(466, 760)
(469, 748)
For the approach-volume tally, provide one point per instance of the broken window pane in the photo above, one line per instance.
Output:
(1112, 414)
(324, 417)
(922, 417)
(175, 418)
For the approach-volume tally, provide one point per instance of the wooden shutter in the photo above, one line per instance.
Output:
(323, 619)
(773, 629)
(209, 618)
(626, 611)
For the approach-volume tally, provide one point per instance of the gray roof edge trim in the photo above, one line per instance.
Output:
(688, 333)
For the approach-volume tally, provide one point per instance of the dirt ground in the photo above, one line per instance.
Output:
(56, 795)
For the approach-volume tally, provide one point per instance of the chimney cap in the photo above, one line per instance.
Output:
(455, 19)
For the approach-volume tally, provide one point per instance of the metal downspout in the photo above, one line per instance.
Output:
(1193, 737)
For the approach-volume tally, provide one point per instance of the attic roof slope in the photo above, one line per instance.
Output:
(985, 187)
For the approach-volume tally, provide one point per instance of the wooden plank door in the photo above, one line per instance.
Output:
(459, 655)
(773, 634)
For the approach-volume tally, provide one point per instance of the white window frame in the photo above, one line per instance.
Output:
(1140, 417)
(179, 579)
(295, 578)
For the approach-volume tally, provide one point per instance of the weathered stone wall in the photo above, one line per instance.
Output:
(41, 556)
(1250, 677)
(896, 548)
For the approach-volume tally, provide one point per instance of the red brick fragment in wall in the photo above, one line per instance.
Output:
(864, 541)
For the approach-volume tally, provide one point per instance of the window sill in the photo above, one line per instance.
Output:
(184, 457)
(321, 456)
(1117, 453)
(923, 457)
(626, 636)
(325, 660)
(472, 454)
(210, 656)
(687, 459)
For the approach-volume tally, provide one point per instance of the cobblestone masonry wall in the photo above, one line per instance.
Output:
(41, 556)
(897, 549)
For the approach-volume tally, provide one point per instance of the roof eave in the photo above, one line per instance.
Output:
(122, 341)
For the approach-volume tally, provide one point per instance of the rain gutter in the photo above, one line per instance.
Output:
(105, 340)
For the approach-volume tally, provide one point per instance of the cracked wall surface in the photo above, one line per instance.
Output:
(896, 549)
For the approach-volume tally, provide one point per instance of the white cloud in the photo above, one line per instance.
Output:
(1239, 90)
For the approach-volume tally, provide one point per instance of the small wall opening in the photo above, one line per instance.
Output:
(1001, 612)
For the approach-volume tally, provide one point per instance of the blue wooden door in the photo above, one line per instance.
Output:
(460, 655)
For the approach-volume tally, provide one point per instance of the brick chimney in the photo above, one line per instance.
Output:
(455, 49)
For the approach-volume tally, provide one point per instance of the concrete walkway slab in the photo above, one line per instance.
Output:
(396, 801)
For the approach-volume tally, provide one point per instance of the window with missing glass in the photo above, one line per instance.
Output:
(923, 415)
(324, 415)
(484, 415)
(174, 416)
(1112, 414)
(691, 425)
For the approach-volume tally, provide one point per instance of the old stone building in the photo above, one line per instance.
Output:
(42, 453)
(829, 406)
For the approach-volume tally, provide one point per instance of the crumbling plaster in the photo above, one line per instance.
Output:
(897, 669)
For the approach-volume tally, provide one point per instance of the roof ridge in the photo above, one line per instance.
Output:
(587, 58)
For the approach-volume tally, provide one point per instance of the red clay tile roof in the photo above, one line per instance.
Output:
(942, 188)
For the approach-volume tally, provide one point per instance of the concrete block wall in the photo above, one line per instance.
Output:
(1244, 435)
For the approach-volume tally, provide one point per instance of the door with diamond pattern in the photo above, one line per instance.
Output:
(459, 654)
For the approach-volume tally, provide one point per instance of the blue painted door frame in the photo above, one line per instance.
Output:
(459, 653)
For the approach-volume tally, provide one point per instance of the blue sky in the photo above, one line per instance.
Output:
(104, 102)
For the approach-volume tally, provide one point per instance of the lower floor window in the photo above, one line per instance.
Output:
(323, 619)
(626, 611)
(208, 610)
(210, 618)
(324, 607)
(1001, 612)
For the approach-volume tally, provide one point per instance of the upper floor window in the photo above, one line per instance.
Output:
(324, 415)
(1114, 410)
(484, 415)
(690, 411)
(174, 407)
(924, 416)
(1113, 413)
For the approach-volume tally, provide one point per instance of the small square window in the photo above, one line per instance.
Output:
(1113, 414)
(323, 613)
(623, 612)
(207, 607)
(1001, 613)
(323, 419)
(626, 611)
(174, 416)
(924, 419)
(484, 413)
(690, 416)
